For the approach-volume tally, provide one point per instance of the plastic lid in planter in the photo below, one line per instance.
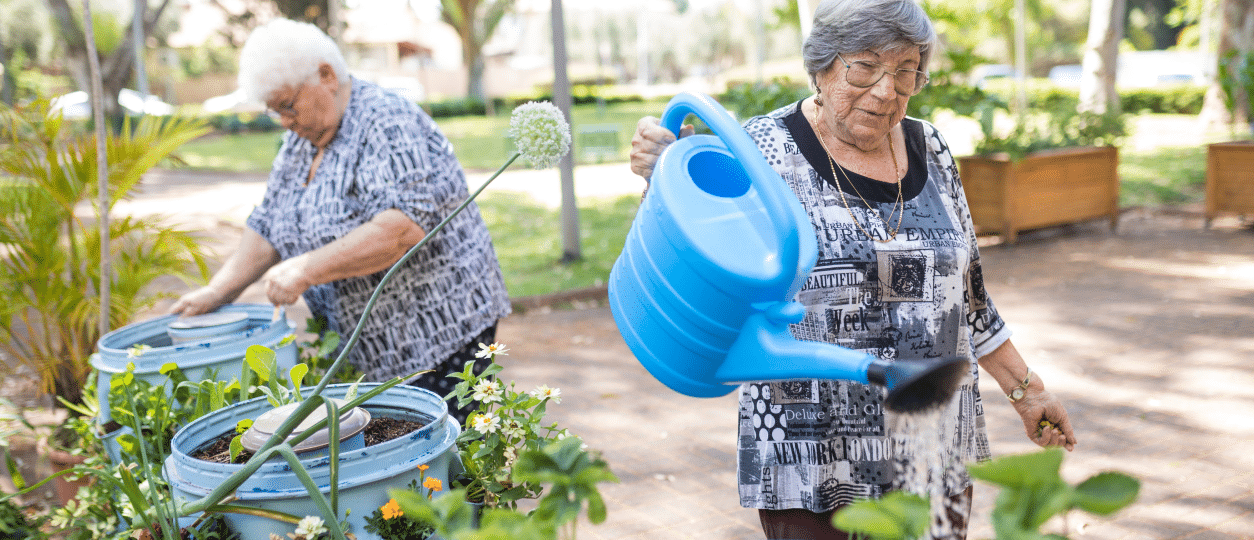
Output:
(207, 325)
(352, 423)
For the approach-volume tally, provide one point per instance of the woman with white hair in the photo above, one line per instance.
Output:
(896, 240)
(361, 176)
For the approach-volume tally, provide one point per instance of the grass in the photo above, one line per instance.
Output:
(527, 238)
(1162, 177)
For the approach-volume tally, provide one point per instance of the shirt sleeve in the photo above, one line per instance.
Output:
(406, 166)
(988, 330)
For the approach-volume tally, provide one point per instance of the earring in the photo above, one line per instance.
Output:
(818, 99)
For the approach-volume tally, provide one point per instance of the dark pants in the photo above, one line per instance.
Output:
(438, 381)
(801, 524)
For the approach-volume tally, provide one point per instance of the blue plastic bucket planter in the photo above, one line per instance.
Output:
(215, 351)
(365, 475)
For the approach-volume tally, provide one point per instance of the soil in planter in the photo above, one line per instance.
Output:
(380, 429)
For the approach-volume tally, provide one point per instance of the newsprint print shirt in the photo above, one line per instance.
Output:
(818, 444)
(387, 154)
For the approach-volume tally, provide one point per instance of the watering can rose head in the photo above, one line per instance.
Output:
(540, 133)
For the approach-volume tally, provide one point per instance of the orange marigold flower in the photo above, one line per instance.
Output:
(433, 484)
(424, 467)
(391, 510)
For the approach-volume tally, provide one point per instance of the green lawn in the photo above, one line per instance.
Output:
(527, 237)
(1164, 176)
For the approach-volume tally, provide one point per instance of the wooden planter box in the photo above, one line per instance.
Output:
(1229, 179)
(1044, 189)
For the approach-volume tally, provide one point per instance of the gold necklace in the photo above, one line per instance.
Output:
(892, 235)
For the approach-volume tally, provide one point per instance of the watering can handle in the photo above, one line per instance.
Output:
(769, 185)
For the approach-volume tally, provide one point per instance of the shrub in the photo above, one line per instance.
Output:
(752, 99)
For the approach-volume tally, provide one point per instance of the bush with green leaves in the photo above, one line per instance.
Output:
(756, 98)
(1043, 130)
(51, 268)
(1032, 492)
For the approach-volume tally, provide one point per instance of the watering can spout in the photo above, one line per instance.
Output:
(766, 350)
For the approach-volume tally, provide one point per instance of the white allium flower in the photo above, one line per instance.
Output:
(486, 423)
(487, 391)
(310, 527)
(486, 351)
(540, 133)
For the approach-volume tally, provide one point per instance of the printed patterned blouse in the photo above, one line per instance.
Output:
(817, 444)
(388, 154)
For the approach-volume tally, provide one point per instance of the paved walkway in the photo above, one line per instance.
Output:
(1145, 334)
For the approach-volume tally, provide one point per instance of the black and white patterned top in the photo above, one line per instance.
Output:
(818, 444)
(388, 154)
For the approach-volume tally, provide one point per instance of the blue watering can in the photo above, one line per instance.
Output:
(702, 290)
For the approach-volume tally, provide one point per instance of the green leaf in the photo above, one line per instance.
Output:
(260, 358)
(896, 516)
(1021, 470)
(167, 367)
(237, 446)
(297, 376)
(243, 425)
(1107, 492)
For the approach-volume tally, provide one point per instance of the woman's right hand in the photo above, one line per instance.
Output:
(202, 300)
(649, 141)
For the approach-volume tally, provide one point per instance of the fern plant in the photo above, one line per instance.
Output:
(50, 244)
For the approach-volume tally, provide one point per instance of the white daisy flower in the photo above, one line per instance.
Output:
(485, 423)
(544, 392)
(310, 527)
(513, 428)
(488, 351)
(487, 391)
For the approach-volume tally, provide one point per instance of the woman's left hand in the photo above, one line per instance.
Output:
(1045, 420)
(286, 281)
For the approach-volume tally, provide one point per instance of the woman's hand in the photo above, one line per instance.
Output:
(649, 141)
(1045, 420)
(202, 300)
(286, 281)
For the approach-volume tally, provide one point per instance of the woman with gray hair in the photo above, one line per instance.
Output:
(361, 176)
(896, 240)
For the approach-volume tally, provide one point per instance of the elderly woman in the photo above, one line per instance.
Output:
(883, 194)
(361, 176)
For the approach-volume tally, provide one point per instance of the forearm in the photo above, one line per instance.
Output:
(250, 261)
(375, 245)
(1006, 366)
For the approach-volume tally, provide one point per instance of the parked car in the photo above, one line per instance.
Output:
(78, 104)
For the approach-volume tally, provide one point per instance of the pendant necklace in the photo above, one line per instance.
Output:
(898, 205)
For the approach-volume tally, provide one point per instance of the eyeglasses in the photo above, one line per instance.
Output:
(288, 110)
(864, 74)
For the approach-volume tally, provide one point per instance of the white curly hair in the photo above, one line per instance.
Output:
(283, 53)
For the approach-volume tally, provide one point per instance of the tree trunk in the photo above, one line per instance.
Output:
(116, 69)
(1101, 56)
(1236, 33)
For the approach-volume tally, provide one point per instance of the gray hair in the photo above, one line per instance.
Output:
(853, 26)
(286, 53)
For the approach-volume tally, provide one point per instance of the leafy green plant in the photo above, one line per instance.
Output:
(388, 521)
(504, 424)
(49, 306)
(755, 98)
(571, 475)
(1237, 80)
(15, 524)
(1032, 491)
(1043, 130)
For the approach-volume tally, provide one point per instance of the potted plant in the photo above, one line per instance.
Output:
(50, 306)
(1050, 169)
(1229, 164)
